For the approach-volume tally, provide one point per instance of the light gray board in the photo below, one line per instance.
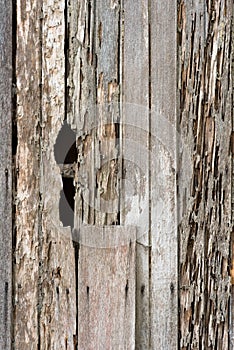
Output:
(164, 301)
(135, 106)
(106, 287)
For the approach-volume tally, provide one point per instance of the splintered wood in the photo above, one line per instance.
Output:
(205, 170)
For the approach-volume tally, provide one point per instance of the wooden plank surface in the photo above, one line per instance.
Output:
(135, 142)
(121, 63)
(56, 256)
(164, 240)
(26, 260)
(93, 109)
(106, 288)
(204, 179)
(6, 174)
(45, 269)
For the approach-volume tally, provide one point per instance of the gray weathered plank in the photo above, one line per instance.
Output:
(5, 174)
(135, 153)
(164, 240)
(204, 178)
(106, 288)
(93, 108)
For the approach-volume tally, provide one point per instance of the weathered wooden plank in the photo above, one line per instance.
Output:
(163, 259)
(93, 108)
(135, 153)
(5, 174)
(28, 72)
(106, 288)
(205, 189)
(56, 257)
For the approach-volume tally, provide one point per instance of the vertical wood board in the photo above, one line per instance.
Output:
(106, 288)
(204, 178)
(135, 128)
(164, 240)
(57, 258)
(26, 259)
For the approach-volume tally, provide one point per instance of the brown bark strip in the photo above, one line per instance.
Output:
(44, 270)
(28, 72)
(5, 175)
(204, 177)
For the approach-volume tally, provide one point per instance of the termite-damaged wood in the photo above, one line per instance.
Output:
(93, 112)
(57, 269)
(44, 283)
(5, 174)
(205, 190)
(93, 108)
(106, 289)
(119, 61)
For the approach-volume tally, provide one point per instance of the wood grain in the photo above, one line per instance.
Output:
(164, 239)
(57, 270)
(93, 110)
(26, 262)
(151, 113)
(136, 153)
(6, 175)
(106, 288)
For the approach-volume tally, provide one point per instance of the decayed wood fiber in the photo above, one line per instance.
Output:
(205, 97)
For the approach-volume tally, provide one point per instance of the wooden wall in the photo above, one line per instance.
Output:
(127, 106)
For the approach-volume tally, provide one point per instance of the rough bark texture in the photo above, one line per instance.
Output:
(44, 283)
(26, 259)
(204, 185)
(5, 174)
(57, 260)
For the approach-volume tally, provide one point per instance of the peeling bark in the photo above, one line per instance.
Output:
(26, 256)
(44, 283)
